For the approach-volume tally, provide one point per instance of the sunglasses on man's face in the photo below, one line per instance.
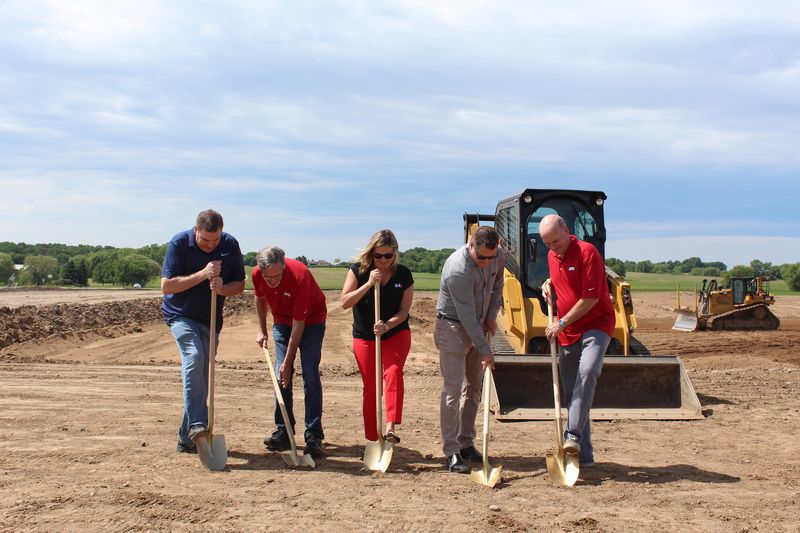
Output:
(485, 257)
(383, 256)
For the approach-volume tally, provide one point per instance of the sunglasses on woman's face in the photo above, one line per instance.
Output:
(383, 256)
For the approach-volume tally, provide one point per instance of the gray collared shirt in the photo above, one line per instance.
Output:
(470, 294)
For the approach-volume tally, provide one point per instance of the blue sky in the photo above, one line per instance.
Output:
(312, 124)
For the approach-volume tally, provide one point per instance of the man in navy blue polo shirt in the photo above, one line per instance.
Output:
(198, 261)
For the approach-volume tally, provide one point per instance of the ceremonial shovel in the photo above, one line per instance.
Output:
(563, 468)
(293, 459)
(378, 454)
(488, 475)
(211, 448)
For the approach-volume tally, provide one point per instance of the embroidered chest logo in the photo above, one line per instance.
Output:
(398, 286)
(287, 294)
(571, 269)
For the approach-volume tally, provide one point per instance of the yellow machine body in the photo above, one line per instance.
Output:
(742, 305)
(633, 383)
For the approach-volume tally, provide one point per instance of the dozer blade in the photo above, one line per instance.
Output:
(630, 387)
(686, 320)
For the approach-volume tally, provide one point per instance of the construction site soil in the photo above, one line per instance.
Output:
(91, 399)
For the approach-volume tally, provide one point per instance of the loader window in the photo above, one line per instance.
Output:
(581, 223)
(537, 269)
(507, 225)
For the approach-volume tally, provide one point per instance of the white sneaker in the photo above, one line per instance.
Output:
(571, 445)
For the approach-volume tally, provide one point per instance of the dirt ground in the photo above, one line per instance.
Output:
(91, 398)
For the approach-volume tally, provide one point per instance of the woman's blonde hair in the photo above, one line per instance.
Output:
(384, 237)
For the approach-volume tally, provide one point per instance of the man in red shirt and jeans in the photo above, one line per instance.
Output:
(584, 328)
(287, 287)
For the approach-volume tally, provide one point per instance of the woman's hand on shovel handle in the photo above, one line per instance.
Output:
(380, 328)
(375, 277)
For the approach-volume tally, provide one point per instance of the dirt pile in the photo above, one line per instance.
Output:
(109, 319)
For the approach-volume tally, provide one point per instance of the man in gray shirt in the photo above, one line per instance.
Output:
(470, 295)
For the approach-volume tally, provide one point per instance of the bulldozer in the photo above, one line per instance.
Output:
(743, 304)
(634, 384)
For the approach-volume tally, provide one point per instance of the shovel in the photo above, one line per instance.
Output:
(563, 468)
(211, 448)
(378, 454)
(488, 475)
(292, 459)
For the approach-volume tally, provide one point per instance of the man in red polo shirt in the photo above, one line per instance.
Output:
(287, 287)
(584, 328)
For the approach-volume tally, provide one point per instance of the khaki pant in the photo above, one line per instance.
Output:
(462, 373)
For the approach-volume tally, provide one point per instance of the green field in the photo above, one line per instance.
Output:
(642, 282)
(331, 278)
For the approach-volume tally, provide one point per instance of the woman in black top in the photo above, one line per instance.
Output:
(377, 264)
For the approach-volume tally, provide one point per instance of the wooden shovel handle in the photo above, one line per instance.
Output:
(556, 389)
(378, 367)
(212, 358)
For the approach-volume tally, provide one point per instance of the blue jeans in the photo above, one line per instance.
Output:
(192, 339)
(580, 365)
(310, 354)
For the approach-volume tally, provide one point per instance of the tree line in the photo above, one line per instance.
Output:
(64, 264)
(789, 272)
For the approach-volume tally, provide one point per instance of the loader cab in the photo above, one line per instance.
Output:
(518, 218)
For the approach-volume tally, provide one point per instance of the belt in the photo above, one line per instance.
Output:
(440, 315)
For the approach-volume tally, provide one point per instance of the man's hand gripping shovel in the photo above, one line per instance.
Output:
(487, 475)
(292, 458)
(211, 448)
(378, 454)
(562, 468)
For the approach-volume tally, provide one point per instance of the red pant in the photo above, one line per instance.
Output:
(394, 351)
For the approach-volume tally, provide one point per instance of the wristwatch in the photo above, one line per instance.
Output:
(561, 323)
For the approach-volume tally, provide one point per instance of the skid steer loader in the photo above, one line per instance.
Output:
(742, 305)
(633, 384)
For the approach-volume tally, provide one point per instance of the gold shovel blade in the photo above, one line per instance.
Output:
(563, 469)
(378, 455)
(212, 451)
(293, 458)
(488, 475)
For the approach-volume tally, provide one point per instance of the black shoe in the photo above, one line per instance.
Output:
(471, 454)
(456, 464)
(278, 442)
(313, 447)
(198, 430)
(186, 448)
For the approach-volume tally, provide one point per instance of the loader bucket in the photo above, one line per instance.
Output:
(686, 320)
(630, 387)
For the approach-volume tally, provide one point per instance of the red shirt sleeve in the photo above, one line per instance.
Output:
(258, 283)
(302, 297)
(595, 277)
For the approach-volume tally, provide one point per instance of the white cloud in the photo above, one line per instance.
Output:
(317, 123)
